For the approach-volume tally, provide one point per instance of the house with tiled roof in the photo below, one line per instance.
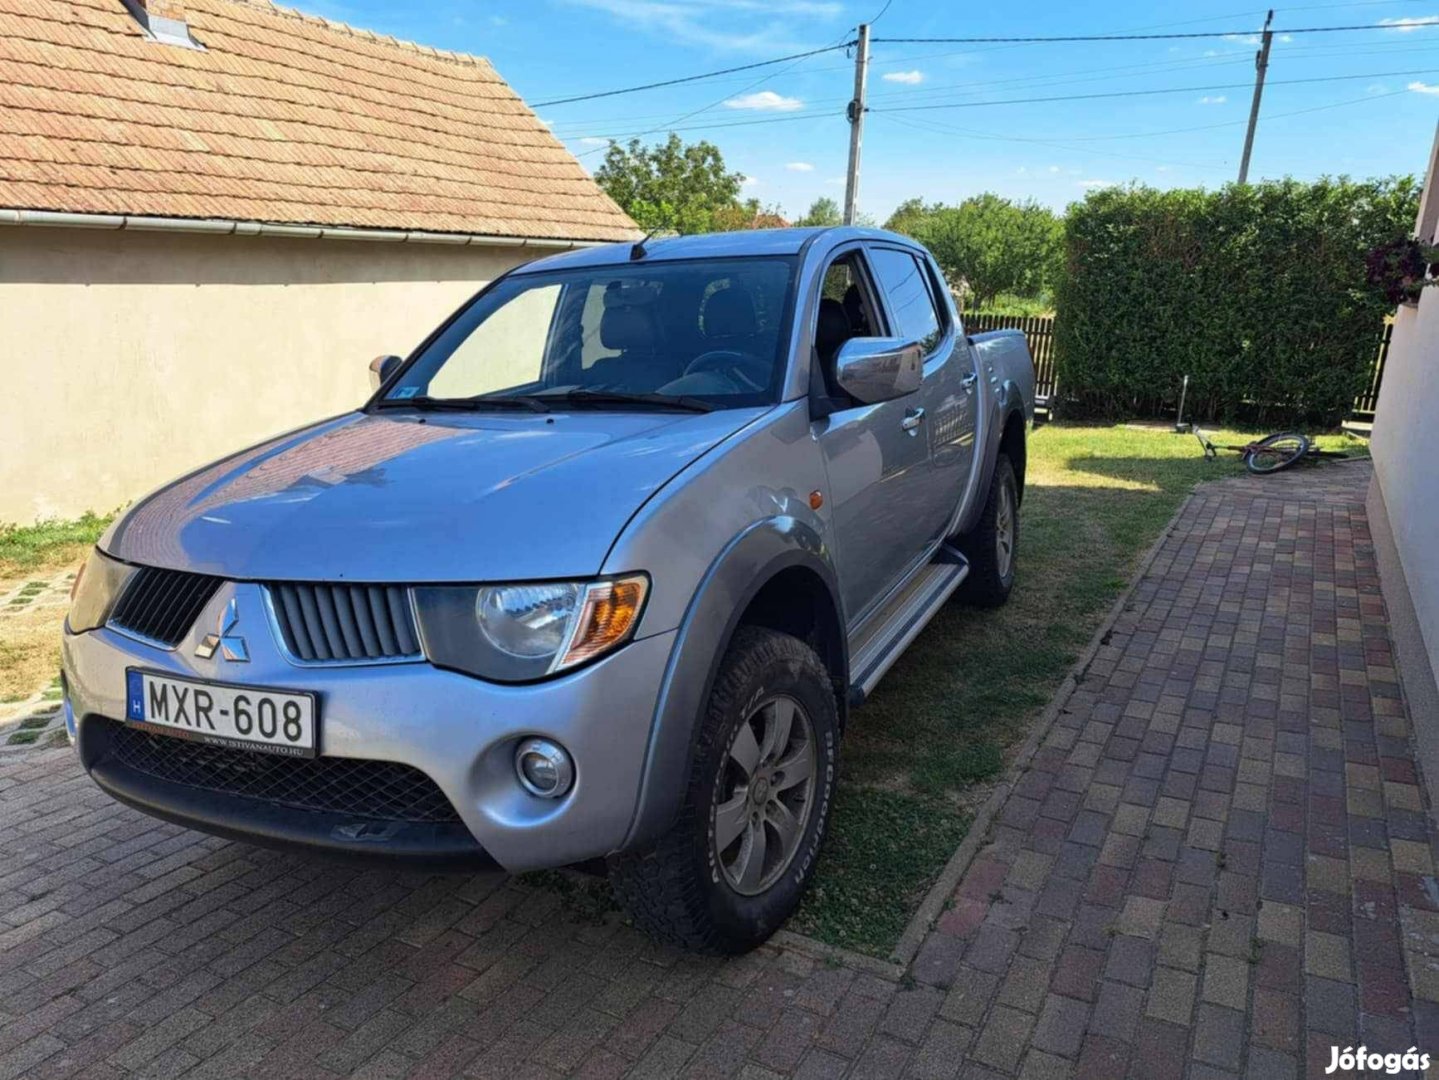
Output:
(213, 213)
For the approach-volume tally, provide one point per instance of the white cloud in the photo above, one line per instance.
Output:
(1161, 168)
(1423, 88)
(1054, 168)
(1217, 100)
(765, 101)
(909, 78)
(1409, 23)
(748, 181)
(1376, 88)
(800, 166)
(1243, 39)
(836, 181)
(594, 140)
(1093, 184)
(739, 25)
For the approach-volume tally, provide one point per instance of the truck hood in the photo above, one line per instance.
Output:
(421, 497)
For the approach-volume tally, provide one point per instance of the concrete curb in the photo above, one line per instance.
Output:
(978, 834)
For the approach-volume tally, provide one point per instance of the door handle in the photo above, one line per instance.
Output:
(968, 382)
(912, 419)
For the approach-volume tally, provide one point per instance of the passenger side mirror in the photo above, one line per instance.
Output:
(381, 368)
(875, 369)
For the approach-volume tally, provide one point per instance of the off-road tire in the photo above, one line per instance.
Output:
(988, 586)
(673, 889)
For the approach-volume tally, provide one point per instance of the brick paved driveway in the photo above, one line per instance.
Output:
(1218, 864)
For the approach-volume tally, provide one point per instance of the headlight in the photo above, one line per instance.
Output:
(96, 588)
(525, 631)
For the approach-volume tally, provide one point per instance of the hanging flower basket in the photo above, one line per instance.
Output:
(1401, 269)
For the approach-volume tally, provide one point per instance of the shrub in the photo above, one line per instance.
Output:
(1258, 293)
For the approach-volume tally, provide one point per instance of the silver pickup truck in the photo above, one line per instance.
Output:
(596, 576)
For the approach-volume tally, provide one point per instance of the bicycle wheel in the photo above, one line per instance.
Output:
(1276, 452)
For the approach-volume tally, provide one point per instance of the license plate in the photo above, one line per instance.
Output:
(244, 717)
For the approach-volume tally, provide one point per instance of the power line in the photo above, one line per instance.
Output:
(1146, 93)
(691, 78)
(1144, 37)
(575, 128)
(950, 129)
(706, 108)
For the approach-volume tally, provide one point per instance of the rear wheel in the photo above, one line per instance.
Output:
(993, 545)
(732, 868)
(1276, 452)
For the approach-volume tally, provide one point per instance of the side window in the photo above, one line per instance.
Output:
(907, 287)
(506, 350)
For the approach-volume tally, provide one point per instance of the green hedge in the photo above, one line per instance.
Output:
(1257, 293)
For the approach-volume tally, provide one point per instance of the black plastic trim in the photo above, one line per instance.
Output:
(414, 845)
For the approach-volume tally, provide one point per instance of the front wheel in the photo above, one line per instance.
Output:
(993, 545)
(734, 865)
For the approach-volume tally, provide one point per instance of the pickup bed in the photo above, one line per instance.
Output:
(596, 576)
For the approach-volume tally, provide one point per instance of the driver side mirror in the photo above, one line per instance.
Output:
(381, 368)
(875, 369)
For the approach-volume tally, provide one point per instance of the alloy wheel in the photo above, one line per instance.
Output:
(1004, 530)
(767, 785)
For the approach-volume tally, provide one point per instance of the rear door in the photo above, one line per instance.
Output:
(919, 310)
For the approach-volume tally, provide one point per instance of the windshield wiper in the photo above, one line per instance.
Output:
(468, 404)
(584, 396)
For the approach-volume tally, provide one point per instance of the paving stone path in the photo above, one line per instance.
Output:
(1218, 864)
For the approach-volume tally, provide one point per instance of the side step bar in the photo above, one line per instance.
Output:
(908, 614)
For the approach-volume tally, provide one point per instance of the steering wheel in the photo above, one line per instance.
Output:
(730, 363)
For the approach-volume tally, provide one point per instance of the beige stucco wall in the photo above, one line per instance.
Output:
(132, 357)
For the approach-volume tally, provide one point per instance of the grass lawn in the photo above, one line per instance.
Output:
(30, 637)
(944, 719)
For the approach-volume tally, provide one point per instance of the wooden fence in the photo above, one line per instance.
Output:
(1368, 401)
(1039, 332)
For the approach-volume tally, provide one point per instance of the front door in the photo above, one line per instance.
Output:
(918, 311)
(877, 455)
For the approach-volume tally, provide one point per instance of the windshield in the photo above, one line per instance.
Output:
(707, 331)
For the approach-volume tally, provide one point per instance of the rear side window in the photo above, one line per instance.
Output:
(906, 286)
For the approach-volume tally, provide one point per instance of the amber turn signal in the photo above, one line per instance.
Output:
(611, 610)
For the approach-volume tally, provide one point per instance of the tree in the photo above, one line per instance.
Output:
(670, 185)
(747, 215)
(823, 211)
(988, 245)
(908, 214)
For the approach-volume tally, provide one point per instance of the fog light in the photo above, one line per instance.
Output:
(544, 768)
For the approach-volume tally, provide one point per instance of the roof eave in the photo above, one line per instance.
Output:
(221, 226)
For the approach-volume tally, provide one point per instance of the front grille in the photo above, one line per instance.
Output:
(162, 605)
(383, 790)
(335, 623)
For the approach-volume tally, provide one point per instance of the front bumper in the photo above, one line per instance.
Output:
(459, 731)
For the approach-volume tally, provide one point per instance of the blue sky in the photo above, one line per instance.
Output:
(1374, 114)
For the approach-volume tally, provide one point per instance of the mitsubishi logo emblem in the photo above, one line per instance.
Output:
(231, 645)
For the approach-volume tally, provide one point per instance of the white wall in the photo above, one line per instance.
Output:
(1405, 443)
(132, 357)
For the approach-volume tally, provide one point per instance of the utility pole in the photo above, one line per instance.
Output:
(855, 113)
(1261, 65)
